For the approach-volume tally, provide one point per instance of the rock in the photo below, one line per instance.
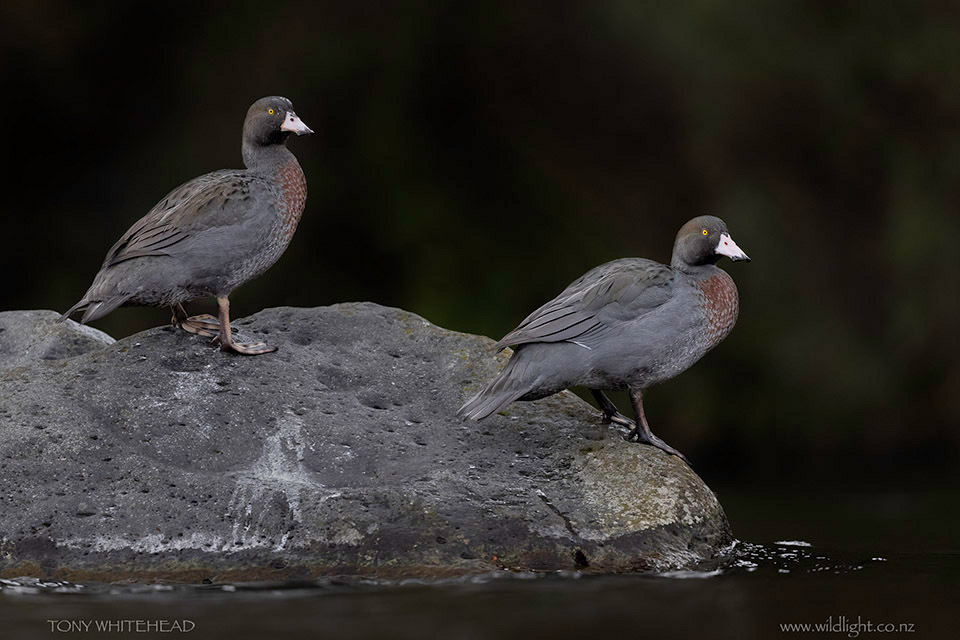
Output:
(28, 337)
(160, 457)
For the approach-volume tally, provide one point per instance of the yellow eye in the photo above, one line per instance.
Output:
(270, 111)
(704, 232)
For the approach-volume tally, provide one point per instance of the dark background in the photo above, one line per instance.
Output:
(471, 159)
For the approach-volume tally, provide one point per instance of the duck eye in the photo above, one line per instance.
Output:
(704, 232)
(270, 111)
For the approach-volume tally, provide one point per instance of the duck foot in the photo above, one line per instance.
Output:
(609, 412)
(639, 436)
(225, 338)
(203, 325)
(639, 429)
(244, 348)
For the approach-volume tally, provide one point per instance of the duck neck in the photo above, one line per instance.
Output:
(266, 159)
(695, 270)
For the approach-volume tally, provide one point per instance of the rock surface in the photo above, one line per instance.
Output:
(160, 457)
(29, 337)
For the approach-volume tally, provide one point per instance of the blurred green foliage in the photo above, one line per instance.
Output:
(474, 158)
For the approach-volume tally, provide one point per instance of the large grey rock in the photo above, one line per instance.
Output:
(160, 457)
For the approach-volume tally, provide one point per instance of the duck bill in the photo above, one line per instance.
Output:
(727, 247)
(293, 124)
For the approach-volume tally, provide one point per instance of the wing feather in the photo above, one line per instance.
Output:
(184, 212)
(618, 291)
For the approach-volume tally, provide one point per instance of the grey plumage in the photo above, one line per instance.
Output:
(626, 324)
(577, 339)
(210, 234)
(198, 235)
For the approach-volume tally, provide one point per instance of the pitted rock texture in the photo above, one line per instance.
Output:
(160, 457)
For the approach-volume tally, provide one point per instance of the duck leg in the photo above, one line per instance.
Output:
(641, 430)
(203, 325)
(609, 412)
(226, 335)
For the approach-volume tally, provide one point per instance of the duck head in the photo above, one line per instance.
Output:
(704, 240)
(269, 122)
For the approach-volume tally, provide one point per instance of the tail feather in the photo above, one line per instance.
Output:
(69, 312)
(505, 388)
(101, 308)
(95, 308)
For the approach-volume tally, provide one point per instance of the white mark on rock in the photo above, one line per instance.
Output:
(190, 389)
(278, 471)
(152, 543)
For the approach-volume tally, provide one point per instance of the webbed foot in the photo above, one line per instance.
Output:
(244, 348)
(638, 435)
(225, 337)
(203, 325)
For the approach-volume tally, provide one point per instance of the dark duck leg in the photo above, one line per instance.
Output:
(641, 430)
(225, 339)
(641, 434)
(203, 325)
(609, 412)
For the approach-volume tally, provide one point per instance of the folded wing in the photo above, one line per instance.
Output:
(612, 293)
(202, 203)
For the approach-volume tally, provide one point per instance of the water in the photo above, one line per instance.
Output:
(879, 558)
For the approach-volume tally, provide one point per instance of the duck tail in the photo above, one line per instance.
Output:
(69, 312)
(510, 385)
(95, 309)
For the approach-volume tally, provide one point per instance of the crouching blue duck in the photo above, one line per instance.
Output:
(626, 324)
(211, 234)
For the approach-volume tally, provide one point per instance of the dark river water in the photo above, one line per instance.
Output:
(847, 564)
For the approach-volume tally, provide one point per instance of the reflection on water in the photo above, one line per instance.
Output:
(749, 592)
(745, 557)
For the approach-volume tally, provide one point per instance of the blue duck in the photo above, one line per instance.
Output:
(626, 324)
(211, 234)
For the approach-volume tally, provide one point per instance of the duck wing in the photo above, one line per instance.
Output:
(197, 205)
(612, 293)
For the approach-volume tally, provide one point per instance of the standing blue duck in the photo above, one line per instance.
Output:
(211, 234)
(626, 324)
